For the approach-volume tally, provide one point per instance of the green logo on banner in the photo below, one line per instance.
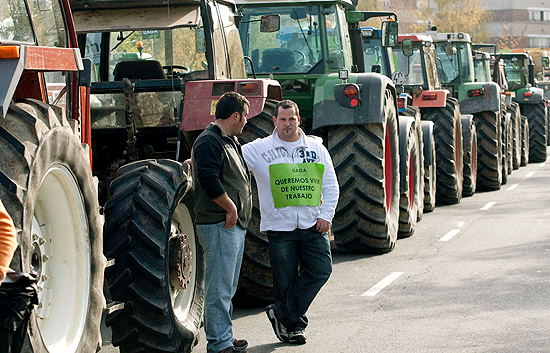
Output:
(296, 184)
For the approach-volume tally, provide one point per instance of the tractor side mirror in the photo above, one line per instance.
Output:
(407, 47)
(270, 23)
(390, 31)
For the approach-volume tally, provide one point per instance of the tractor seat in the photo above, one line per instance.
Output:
(278, 57)
(139, 70)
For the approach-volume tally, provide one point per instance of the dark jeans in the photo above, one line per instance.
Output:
(301, 264)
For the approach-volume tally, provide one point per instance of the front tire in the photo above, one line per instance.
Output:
(47, 188)
(469, 135)
(516, 134)
(159, 268)
(409, 159)
(524, 141)
(366, 162)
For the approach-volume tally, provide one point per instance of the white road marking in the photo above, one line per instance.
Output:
(488, 206)
(461, 224)
(449, 235)
(512, 187)
(382, 284)
(530, 174)
(542, 164)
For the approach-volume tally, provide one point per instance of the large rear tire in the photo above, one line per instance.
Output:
(366, 160)
(536, 114)
(524, 141)
(410, 175)
(256, 281)
(46, 186)
(516, 134)
(490, 150)
(448, 145)
(469, 135)
(159, 268)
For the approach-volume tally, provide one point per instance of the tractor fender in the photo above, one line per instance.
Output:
(199, 107)
(11, 69)
(331, 107)
(406, 123)
(427, 134)
(488, 101)
(536, 97)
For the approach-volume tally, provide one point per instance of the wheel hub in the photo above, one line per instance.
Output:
(180, 261)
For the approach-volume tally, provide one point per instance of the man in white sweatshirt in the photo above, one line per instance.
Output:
(298, 192)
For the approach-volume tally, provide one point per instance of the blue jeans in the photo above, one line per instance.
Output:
(301, 264)
(223, 250)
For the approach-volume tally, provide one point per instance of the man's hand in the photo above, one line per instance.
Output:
(188, 161)
(322, 226)
(230, 209)
(231, 218)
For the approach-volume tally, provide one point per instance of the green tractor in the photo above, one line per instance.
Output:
(521, 80)
(481, 99)
(355, 114)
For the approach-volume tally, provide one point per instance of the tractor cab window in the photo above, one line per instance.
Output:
(431, 67)
(517, 72)
(410, 66)
(15, 25)
(233, 41)
(49, 26)
(373, 55)
(481, 69)
(295, 48)
(166, 56)
(455, 62)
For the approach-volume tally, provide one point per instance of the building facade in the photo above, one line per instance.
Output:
(520, 24)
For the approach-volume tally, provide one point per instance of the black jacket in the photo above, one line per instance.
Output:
(219, 168)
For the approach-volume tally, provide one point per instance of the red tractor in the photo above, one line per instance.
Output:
(96, 119)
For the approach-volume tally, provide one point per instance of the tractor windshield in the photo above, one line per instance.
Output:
(455, 62)
(482, 68)
(165, 55)
(15, 25)
(373, 55)
(517, 72)
(296, 47)
(410, 66)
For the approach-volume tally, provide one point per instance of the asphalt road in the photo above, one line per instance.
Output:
(475, 277)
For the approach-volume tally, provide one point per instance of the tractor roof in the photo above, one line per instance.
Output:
(453, 37)
(128, 4)
(415, 37)
(110, 20)
(346, 3)
(516, 55)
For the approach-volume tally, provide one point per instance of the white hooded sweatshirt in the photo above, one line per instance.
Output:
(260, 154)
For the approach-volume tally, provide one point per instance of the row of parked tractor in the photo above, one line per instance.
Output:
(103, 100)
(411, 120)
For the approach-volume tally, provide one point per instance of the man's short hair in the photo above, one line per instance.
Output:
(230, 103)
(285, 104)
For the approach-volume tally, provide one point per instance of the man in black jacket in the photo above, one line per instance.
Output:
(223, 207)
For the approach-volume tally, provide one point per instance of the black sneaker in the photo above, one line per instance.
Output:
(297, 337)
(280, 331)
(240, 345)
(230, 349)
